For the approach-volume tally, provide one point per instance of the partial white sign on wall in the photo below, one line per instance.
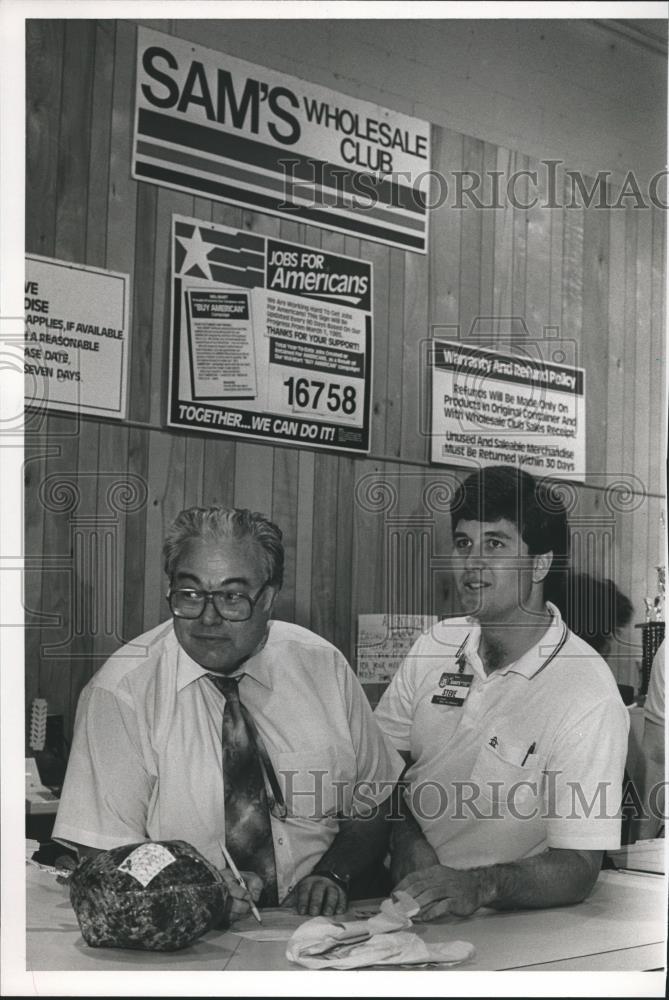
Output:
(223, 128)
(76, 337)
(384, 641)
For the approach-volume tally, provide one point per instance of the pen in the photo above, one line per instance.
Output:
(531, 750)
(235, 871)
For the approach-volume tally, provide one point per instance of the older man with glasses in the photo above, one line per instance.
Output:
(233, 732)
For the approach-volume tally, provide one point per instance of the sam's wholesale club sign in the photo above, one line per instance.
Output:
(222, 128)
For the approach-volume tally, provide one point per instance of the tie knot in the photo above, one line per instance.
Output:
(228, 686)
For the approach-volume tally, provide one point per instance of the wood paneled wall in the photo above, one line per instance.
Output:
(362, 534)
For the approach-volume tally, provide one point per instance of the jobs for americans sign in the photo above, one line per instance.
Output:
(222, 128)
(270, 340)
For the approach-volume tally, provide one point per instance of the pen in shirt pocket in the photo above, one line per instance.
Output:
(530, 751)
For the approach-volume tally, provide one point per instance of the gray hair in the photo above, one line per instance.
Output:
(212, 524)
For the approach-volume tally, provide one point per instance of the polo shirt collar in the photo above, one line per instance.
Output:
(257, 666)
(532, 661)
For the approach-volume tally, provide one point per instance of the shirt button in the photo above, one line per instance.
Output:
(281, 840)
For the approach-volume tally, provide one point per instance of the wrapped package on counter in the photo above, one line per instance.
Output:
(383, 939)
(156, 896)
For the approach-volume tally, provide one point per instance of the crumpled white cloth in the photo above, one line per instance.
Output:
(323, 943)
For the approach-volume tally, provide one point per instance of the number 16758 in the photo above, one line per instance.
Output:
(309, 393)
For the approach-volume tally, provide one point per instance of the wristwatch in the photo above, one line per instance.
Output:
(341, 880)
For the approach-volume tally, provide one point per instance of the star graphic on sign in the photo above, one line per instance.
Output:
(197, 252)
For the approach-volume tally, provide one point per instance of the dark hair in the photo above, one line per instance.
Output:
(535, 506)
(215, 523)
(594, 609)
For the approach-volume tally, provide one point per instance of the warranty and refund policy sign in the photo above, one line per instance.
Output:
(270, 339)
(76, 337)
(492, 408)
(222, 128)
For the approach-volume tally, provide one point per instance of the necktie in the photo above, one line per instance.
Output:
(248, 828)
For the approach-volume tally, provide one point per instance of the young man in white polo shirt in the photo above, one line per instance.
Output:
(512, 727)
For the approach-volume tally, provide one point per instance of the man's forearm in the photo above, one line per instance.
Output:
(653, 781)
(359, 841)
(409, 849)
(554, 878)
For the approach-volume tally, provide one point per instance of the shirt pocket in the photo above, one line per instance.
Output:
(315, 783)
(499, 777)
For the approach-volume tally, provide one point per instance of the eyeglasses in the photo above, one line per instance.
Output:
(229, 604)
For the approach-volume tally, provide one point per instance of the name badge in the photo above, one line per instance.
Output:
(454, 689)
